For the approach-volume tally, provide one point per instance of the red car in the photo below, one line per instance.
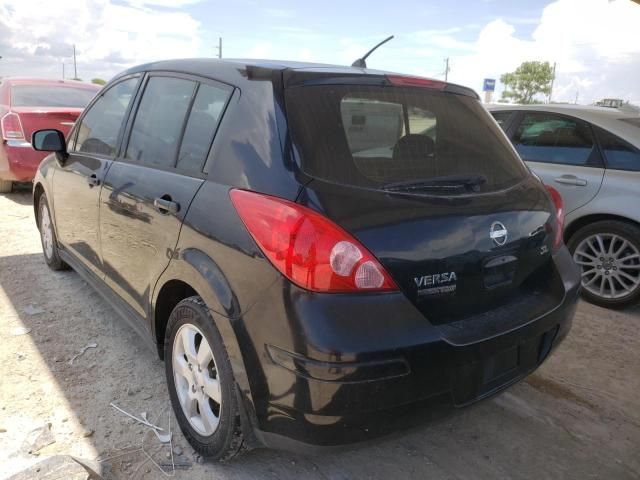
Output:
(29, 104)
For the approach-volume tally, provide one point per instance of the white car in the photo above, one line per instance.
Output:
(592, 156)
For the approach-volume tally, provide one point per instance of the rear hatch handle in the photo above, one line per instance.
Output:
(571, 180)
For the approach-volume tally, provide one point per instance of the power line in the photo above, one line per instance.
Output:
(75, 67)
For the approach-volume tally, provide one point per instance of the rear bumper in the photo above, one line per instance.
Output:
(18, 161)
(328, 370)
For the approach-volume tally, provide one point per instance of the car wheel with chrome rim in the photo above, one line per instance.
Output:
(608, 252)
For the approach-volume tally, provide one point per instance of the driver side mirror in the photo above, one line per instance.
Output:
(50, 141)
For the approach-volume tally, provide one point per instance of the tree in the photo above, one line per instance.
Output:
(529, 79)
(98, 81)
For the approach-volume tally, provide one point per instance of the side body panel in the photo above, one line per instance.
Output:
(138, 240)
(618, 196)
(75, 196)
(577, 185)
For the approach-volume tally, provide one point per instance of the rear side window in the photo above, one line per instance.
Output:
(550, 138)
(50, 96)
(99, 129)
(502, 118)
(619, 154)
(373, 136)
(203, 120)
(159, 121)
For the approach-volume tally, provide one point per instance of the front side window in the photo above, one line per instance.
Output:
(99, 129)
(619, 154)
(378, 137)
(204, 117)
(159, 121)
(550, 138)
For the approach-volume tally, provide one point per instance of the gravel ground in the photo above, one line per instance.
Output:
(577, 417)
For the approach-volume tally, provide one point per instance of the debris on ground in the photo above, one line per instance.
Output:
(31, 310)
(164, 438)
(84, 349)
(17, 331)
(37, 439)
(59, 467)
(139, 420)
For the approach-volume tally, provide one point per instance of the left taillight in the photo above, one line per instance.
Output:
(559, 216)
(308, 248)
(12, 127)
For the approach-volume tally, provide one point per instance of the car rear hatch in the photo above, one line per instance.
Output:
(424, 178)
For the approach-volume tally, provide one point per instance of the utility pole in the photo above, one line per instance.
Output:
(553, 79)
(446, 69)
(219, 47)
(63, 70)
(577, 92)
(75, 68)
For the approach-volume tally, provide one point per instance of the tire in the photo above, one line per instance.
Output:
(614, 281)
(6, 186)
(191, 319)
(48, 236)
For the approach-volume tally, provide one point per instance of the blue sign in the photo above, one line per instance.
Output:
(489, 85)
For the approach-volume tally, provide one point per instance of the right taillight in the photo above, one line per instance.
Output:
(11, 127)
(559, 215)
(308, 248)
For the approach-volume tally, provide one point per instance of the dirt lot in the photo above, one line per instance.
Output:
(577, 417)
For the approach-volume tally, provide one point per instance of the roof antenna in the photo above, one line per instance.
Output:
(361, 62)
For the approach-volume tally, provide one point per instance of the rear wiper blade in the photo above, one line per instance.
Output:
(446, 182)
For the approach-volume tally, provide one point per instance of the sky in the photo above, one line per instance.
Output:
(594, 43)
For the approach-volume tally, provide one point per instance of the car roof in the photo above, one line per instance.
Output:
(216, 66)
(48, 81)
(611, 119)
(233, 70)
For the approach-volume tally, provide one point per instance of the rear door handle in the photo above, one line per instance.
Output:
(166, 205)
(571, 180)
(93, 180)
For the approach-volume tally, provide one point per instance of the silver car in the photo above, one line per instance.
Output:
(591, 155)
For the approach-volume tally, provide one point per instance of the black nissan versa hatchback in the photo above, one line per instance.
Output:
(320, 254)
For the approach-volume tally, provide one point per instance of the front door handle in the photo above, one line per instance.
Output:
(166, 205)
(571, 180)
(93, 180)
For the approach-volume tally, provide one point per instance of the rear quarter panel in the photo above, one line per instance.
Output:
(619, 195)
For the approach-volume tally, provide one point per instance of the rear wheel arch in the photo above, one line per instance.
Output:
(194, 273)
(180, 282)
(170, 294)
(581, 222)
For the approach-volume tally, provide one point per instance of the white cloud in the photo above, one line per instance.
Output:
(261, 50)
(38, 35)
(596, 44)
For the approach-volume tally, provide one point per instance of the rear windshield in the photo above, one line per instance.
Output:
(374, 136)
(50, 96)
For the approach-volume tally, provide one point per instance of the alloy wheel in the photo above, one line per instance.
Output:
(46, 231)
(196, 379)
(610, 265)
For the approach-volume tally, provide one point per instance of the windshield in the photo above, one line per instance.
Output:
(50, 96)
(375, 136)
